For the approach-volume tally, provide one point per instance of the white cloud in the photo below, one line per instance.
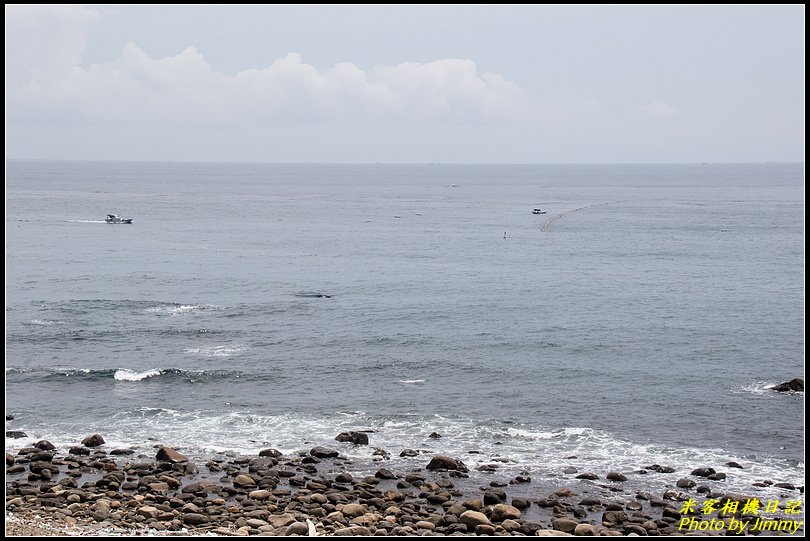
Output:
(659, 109)
(46, 80)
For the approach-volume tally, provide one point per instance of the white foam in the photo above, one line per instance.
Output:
(124, 374)
(217, 351)
(759, 387)
(409, 381)
(46, 322)
(183, 309)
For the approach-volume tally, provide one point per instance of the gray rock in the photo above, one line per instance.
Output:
(167, 454)
(441, 462)
(357, 438)
(94, 440)
(16, 434)
(616, 476)
(565, 524)
(588, 475)
(795, 385)
(323, 452)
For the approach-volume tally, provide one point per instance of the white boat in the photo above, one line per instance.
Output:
(538, 211)
(116, 219)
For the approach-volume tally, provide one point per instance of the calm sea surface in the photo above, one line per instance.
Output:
(639, 321)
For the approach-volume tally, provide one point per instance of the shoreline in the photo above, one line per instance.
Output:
(90, 489)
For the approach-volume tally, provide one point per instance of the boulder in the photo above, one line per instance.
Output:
(323, 452)
(473, 519)
(796, 385)
(440, 462)
(94, 440)
(616, 476)
(167, 454)
(504, 511)
(357, 438)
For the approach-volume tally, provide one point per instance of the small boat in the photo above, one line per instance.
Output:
(538, 211)
(116, 219)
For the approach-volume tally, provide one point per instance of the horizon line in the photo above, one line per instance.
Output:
(255, 162)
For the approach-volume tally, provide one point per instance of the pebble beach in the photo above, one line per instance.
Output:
(90, 489)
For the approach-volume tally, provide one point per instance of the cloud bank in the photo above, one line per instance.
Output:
(45, 79)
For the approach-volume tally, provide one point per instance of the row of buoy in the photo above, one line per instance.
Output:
(560, 215)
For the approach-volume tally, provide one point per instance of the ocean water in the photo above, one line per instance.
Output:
(639, 321)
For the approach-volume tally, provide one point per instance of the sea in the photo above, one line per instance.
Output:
(641, 320)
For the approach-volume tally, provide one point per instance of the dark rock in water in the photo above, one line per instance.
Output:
(409, 452)
(661, 469)
(570, 470)
(16, 434)
(685, 483)
(522, 479)
(434, 435)
(79, 451)
(45, 445)
(441, 462)
(703, 472)
(795, 385)
(616, 476)
(167, 454)
(733, 464)
(719, 476)
(494, 497)
(9, 459)
(122, 452)
(357, 438)
(313, 295)
(381, 453)
(323, 452)
(788, 486)
(588, 475)
(272, 453)
(9, 417)
(383, 473)
(93, 441)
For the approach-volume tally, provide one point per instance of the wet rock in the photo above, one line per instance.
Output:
(661, 469)
(570, 470)
(384, 473)
(9, 459)
(243, 480)
(795, 385)
(588, 475)
(671, 512)
(441, 462)
(719, 476)
(789, 486)
(119, 452)
(616, 476)
(45, 445)
(484, 529)
(354, 510)
(167, 454)
(409, 452)
(16, 434)
(703, 472)
(323, 452)
(94, 440)
(434, 435)
(522, 479)
(612, 518)
(521, 503)
(357, 438)
(685, 483)
(493, 497)
(733, 464)
(272, 453)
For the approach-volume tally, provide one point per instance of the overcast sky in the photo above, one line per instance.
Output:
(539, 84)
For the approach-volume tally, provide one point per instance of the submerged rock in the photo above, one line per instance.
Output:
(795, 385)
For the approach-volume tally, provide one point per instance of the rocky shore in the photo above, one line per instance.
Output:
(91, 490)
